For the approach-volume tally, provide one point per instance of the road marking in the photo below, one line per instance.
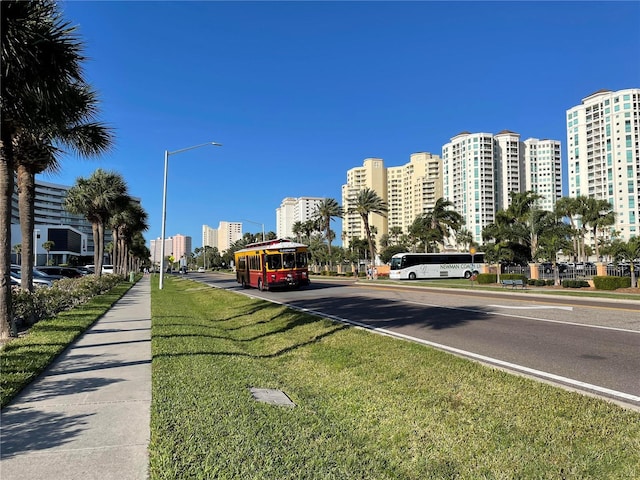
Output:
(532, 307)
(513, 315)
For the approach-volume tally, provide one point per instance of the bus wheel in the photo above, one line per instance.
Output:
(412, 276)
(467, 275)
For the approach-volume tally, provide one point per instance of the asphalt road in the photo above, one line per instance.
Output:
(589, 345)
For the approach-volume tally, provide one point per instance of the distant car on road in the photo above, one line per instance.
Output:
(201, 270)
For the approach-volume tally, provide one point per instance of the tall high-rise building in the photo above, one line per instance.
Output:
(181, 245)
(228, 233)
(543, 171)
(482, 169)
(603, 138)
(209, 236)
(413, 189)
(372, 175)
(294, 210)
(409, 190)
(469, 181)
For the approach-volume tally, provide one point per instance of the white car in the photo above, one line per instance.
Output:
(201, 270)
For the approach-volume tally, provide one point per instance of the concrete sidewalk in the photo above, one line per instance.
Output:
(87, 416)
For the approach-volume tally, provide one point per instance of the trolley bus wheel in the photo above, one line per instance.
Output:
(467, 275)
(412, 276)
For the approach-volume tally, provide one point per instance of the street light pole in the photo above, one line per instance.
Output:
(256, 223)
(164, 202)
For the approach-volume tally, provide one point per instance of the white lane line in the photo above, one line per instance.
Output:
(534, 307)
(464, 353)
(513, 315)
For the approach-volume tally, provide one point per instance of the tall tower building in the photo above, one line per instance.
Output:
(509, 166)
(294, 210)
(181, 247)
(543, 171)
(372, 175)
(413, 189)
(603, 152)
(228, 233)
(209, 236)
(469, 179)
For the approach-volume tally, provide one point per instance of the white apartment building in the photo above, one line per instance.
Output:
(294, 210)
(543, 171)
(482, 169)
(469, 179)
(372, 175)
(209, 236)
(156, 249)
(604, 154)
(222, 237)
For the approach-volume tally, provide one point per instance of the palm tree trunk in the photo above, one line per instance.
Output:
(100, 246)
(7, 322)
(115, 251)
(26, 205)
(96, 255)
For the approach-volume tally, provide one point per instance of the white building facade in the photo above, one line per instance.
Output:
(209, 236)
(294, 210)
(543, 171)
(603, 154)
(228, 233)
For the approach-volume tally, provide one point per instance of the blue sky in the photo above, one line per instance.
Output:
(299, 92)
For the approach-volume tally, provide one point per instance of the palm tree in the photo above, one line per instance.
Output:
(442, 219)
(368, 202)
(569, 207)
(326, 210)
(36, 151)
(97, 197)
(18, 249)
(41, 56)
(297, 230)
(598, 215)
(48, 246)
(395, 232)
(464, 238)
(125, 223)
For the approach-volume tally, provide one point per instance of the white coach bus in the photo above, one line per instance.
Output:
(412, 266)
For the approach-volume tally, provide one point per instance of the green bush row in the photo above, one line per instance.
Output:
(65, 294)
(611, 283)
(574, 283)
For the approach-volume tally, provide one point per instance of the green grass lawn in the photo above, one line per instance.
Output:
(367, 406)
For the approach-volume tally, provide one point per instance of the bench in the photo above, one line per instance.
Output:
(513, 283)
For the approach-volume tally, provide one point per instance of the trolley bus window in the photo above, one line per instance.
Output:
(274, 262)
(288, 260)
(301, 259)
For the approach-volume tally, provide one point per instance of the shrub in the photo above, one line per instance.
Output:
(539, 282)
(66, 293)
(550, 282)
(486, 278)
(611, 283)
(348, 274)
(574, 283)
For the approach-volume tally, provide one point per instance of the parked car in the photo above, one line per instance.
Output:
(201, 270)
(68, 272)
(39, 279)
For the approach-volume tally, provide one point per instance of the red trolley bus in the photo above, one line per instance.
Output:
(272, 264)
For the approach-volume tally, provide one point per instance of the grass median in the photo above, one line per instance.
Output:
(366, 406)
